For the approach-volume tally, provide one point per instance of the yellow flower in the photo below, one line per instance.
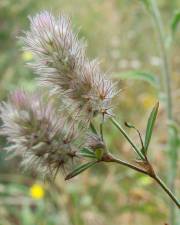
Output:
(148, 101)
(27, 56)
(37, 191)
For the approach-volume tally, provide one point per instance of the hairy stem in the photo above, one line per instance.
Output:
(111, 158)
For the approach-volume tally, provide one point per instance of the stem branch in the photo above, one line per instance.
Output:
(123, 132)
(111, 158)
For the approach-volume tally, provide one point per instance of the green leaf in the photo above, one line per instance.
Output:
(86, 152)
(150, 126)
(93, 129)
(175, 21)
(138, 75)
(79, 169)
(92, 156)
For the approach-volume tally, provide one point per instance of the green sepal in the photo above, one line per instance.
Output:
(99, 153)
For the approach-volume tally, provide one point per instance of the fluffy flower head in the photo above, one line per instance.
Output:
(36, 132)
(62, 64)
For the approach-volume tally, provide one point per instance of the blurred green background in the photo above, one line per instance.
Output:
(121, 34)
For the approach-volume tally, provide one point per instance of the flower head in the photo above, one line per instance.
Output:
(36, 131)
(61, 63)
(93, 141)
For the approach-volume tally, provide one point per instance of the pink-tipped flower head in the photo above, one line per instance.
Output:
(61, 63)
(18, 98)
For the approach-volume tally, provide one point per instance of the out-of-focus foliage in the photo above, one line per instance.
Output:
(120, 33)
(175, 21)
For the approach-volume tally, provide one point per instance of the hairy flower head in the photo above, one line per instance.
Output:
(93, 141)
(61, 63)
(35, 131)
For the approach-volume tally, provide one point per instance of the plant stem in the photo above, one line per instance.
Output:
(167, 190)
(166, 71)
(101, 131)
(123, 132)
(101, 128)
(167, 87)
(111, 158)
